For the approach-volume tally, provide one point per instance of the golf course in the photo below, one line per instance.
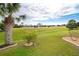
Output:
(38, 29)
(49, 42)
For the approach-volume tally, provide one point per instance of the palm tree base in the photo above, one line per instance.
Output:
(9, 44)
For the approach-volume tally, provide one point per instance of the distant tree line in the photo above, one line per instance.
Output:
(18, 26)
(72, 24)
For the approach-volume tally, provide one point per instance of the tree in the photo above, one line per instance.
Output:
(39, 24)
(2, 26)
(78, 24)
(71, 25)
(6, 12)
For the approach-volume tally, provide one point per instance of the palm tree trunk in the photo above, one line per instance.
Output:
(8, 30)
(8, 34)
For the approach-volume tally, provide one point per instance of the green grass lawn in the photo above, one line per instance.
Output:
(49, 43)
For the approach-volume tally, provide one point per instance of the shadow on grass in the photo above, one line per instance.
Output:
(5, 45)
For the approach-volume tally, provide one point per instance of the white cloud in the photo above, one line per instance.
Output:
(44, 9)
(37, 12)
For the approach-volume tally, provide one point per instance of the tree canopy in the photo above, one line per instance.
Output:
(71, 24)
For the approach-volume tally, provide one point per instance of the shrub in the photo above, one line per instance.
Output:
(30, 37)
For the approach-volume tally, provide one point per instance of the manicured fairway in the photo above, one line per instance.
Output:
(49, 43)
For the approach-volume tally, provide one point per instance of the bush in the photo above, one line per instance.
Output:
(30, 37)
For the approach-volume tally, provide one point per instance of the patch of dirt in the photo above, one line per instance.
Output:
(73, 40)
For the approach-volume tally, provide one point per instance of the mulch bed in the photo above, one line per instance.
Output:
(29, 44)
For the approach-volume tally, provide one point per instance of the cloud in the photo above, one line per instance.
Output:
(40, 10)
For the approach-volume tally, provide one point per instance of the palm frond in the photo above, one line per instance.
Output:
(12, 7)
(23, 17)
(17, 19)
(8, 8)
(2, 9)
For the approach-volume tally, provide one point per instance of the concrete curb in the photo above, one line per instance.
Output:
(8, 47)
(76, 43)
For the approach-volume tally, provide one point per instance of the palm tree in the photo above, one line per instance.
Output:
(6, 12)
